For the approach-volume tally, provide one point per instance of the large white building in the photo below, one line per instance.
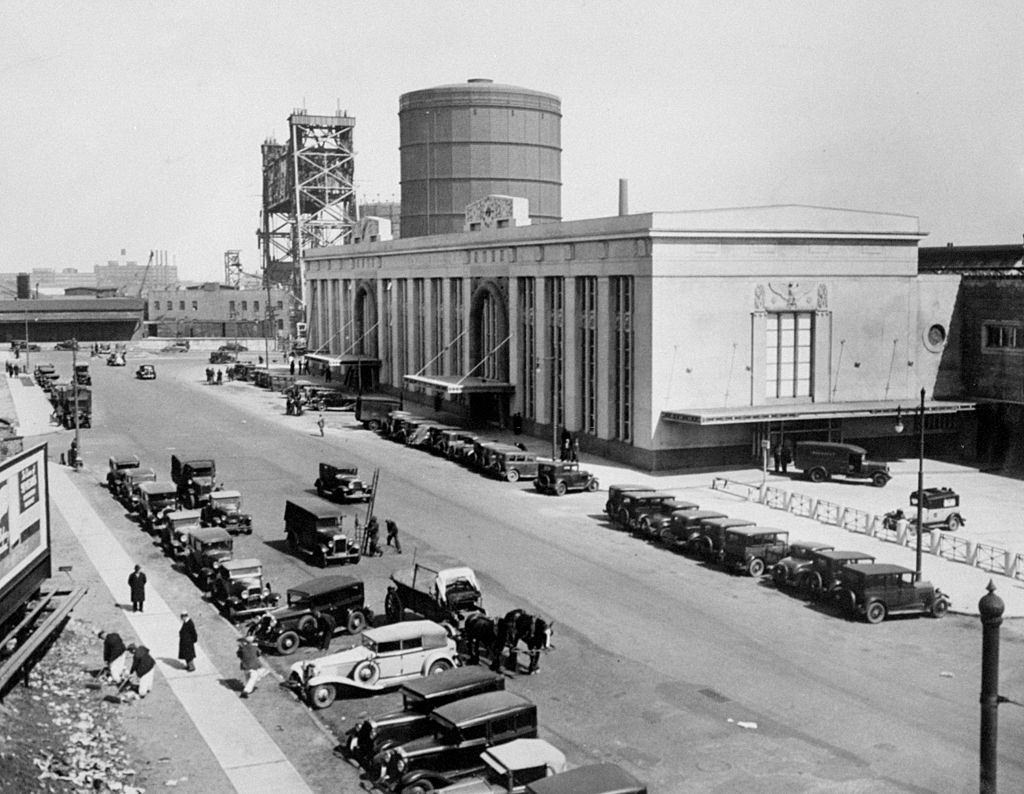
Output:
(662, 339)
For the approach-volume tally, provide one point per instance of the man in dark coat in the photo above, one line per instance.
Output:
(187, 639)
(114, 658)
(392, 528)
(325, 624)
(137, 584)
(143, 668)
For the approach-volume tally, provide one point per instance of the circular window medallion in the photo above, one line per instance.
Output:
(935, 337)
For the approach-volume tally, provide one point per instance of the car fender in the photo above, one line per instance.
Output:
(435, 779)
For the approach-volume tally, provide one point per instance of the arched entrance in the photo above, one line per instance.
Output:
(488, 350)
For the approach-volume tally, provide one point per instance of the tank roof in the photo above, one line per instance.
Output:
(477, 89)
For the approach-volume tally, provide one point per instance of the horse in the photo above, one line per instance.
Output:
(533, 631)
(479, 629)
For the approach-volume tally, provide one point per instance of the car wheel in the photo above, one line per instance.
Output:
(879, 480)
(779, 576)
(623, 518)
(940, 606)
(287, 643)
(667, 538)
(953, 523)
(816, 475)
(813, 585)
(440, 666)
(875, 613)
(419, 787)
(356, 622)
(645, 525)
(560, 489)
(592, 486)
(366, 672)
(307, 626)
(512, 475)
(322, 696)
(373, 425)
(756, 567)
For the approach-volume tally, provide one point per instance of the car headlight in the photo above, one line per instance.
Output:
(400, 765)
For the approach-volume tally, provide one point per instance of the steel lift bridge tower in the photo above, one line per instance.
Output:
(309, 196)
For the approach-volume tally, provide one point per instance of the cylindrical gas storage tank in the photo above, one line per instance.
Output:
(460, 143)
(23, 286)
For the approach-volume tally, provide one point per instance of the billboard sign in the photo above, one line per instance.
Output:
(24, 515)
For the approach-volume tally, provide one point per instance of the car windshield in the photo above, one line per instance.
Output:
(218, 545)
(250, 577)
(297, 598)
(229, 504)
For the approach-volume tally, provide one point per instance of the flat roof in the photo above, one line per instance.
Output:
(837, 410)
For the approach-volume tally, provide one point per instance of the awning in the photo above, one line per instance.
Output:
(459, 384)
(339, 361)
(809, 411)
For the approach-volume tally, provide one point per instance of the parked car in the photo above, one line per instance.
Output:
(326, 399)
(20, 346)
(821, 460)
(420, 697)
(615, 494)
(45, 375)
(175, 528)
(754, 549)
(876, 590)
(293, 622)
(708, 538)
(824, 577)
(206, 550)
(509, 767)
(342, 484)
(239, 590)
(146, 372)
(940, 509)
(682, 525)
(138, 493)
(388, 656)
(236, 347)
(654, 518)
(372, 410)
(634, 504)
(67, 344)
(447, 595)
(224, 509)
(195, 476)
(316, 527)
(117, 466)
(461, 732)
(177, 346)
(589, 779)
(453, 443)
(116, 359)
(790, 570)
(513, 465)
(81, 374)
(222, 357)
(559, 477)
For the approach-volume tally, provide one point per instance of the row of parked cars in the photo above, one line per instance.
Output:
(490, 457)
(851, 579)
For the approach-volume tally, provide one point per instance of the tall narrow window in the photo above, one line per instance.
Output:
(458, 326)
(527, 346)
(437, 326)
(788, 351)
(556, 337)
(621, 288)
(586, 314)
(420, 325)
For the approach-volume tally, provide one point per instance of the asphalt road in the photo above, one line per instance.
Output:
(694, 679)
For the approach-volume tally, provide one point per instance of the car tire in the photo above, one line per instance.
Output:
(356, 622)
(592, 486)
(953, 523)
(644, 526)
(756, 567)
(419, 787)
(287, 643)
(322, 696)
(817, 475)
(307, 626)
(667, 538)
(560, 489)
(879, 480)
(940, 606)
(779, 576)
(812, 585)
(875, 612)
(366, 672)
(373, 425)
(440, 666)
(512, 475)
(622, 518)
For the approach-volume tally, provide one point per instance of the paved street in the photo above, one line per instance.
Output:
(692, 678)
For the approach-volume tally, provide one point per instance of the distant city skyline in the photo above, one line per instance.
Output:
(139, 125)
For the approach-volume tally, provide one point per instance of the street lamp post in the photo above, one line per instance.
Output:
(74, 381)
(920, 477)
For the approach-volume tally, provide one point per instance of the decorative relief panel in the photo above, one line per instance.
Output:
(790, 296)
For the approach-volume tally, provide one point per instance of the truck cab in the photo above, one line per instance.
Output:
(822, 460)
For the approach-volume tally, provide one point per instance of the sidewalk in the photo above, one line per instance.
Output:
(255, 765)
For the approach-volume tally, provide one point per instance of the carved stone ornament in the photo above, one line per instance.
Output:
(759, 298)
(789, 295)
(822, 296)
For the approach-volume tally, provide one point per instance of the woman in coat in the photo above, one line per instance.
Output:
(187, 639)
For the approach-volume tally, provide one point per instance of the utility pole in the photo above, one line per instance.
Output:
(74, 381)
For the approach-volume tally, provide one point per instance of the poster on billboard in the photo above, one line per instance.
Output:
(24, 514)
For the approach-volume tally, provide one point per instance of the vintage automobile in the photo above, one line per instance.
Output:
(559, 477)
(513, 465)
(81, 374)
(511, 766)
(146, 372)
(130, 492)
(372, 410)
(330, 399)
(72, 404)
(67, 344)
(447, 596)
(460, 733)
(118, 465)
(682, 525)
(286, 626)
(615, 494)
(940, 509)
(708, 538)
(175, 528)
(316, 527)
(420, 697)
(454, 443)
(634, 506)
(177, 346)
(195, 477)
(236, 347)
(387, 657)
(342, 484)
(754, 550)
(239, 590)
(223, 357)
(651, 521)
(155, 499)
(821, 460)
(875, 590)
(790, 570)
(224, 509)
(20, 345)
(589, 779)
(45, 375)
(823, 578)
(116, 359)
(207, 549)
(422, 437)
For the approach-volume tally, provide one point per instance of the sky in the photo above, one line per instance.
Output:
(138, 125)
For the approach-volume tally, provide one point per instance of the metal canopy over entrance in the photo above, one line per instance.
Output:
(356, 371)
(789, 413)
(453, 385)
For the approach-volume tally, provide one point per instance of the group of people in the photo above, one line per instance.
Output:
(129, 667)
(214, 377)
(371, 538)
(569, 447)
(13, 369)
(298, 365)
(782, 456)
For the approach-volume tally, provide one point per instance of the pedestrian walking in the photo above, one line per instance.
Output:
(187, 639)
(143, 668)
(787, 457)
(209, 374)
(574, 453)
(115, 657)
(325, 625)
(252, 668)
(320, 424)
(137, 585)
(220, 377)
(777, 458)
(392, 528)
(371, 538)
(565, 444)
(291, 365)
